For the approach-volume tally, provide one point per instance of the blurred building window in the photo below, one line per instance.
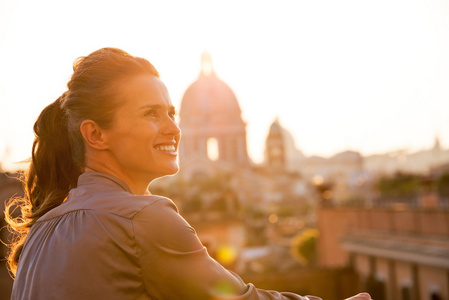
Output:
(435, 296)
(406, 293)
(212, 149)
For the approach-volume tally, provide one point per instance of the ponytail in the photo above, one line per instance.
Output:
(51, 174)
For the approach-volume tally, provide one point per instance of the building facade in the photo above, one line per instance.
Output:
(399, 254)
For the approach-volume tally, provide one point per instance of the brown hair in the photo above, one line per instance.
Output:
(58, 151)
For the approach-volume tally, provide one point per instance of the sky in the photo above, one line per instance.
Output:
(367, 76)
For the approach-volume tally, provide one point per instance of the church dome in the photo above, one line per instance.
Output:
(209, 100)
(213, 131)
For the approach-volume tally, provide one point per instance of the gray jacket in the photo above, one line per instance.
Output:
(106, 243)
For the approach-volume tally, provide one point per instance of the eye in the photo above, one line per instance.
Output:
(151, 113)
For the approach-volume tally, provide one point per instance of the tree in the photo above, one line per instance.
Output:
(400, 186)
(304, 246)
(443, 185)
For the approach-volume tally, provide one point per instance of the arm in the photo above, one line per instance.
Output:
(175, 265)
(361, 296)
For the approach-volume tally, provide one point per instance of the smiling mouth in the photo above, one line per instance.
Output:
(166, 148)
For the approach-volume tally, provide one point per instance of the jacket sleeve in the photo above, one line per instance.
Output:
(175, 265)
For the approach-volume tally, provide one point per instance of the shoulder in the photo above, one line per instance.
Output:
(161, 226)
(155, 208)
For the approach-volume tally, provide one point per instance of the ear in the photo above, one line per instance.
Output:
(93, 135)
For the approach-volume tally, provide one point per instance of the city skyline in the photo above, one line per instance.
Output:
(368, 77)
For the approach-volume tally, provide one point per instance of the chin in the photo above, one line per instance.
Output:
(171, 171)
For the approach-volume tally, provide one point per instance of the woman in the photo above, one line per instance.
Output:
(89, 227)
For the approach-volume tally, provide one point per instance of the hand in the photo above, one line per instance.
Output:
(361, 296)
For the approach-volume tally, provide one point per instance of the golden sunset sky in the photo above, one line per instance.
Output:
(369, 76)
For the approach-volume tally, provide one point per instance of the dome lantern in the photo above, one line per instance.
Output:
(207, 68)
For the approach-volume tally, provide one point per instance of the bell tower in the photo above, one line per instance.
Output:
(275, 147)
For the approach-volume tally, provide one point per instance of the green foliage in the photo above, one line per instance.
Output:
(399, 186)
(443, 185)
(219, 182)
(193, 203)
(286, 211)
(304, 246)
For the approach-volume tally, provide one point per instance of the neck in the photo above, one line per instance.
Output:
(104, 162)
(136, 188)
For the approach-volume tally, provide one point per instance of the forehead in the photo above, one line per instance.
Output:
(144, 89)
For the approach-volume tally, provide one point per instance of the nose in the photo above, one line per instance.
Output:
(171, 127)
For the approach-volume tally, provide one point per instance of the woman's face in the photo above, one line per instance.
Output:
(144, 137)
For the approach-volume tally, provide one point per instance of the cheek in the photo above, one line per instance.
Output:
(130, 146)
(136, 140)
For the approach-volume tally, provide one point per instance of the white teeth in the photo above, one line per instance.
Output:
(166, 148)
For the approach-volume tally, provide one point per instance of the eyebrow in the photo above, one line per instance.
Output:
(157, 106)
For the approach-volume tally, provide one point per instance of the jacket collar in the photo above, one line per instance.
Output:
(92, 177)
